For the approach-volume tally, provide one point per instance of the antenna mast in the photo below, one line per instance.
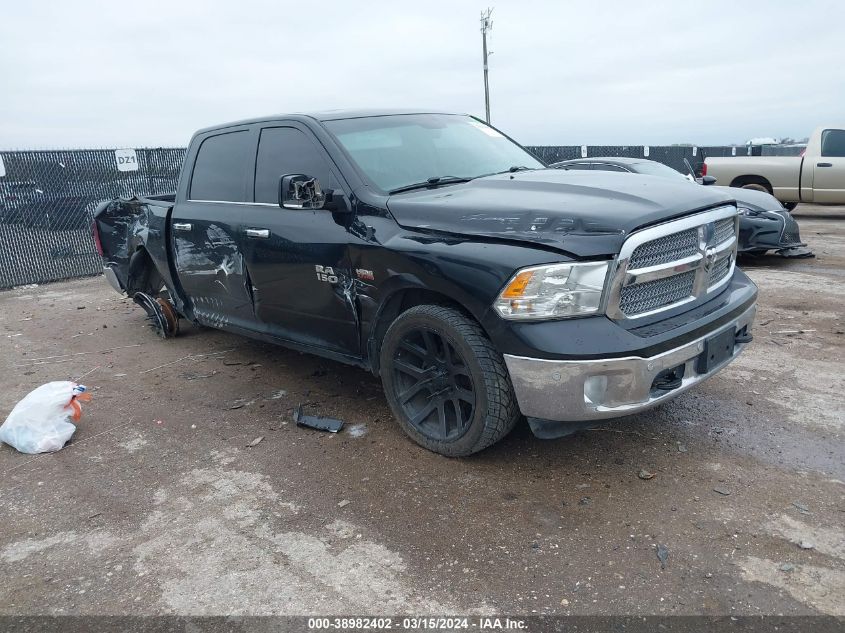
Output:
(486, 25)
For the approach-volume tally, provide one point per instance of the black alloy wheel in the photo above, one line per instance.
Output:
(433, 385)
(445, 381)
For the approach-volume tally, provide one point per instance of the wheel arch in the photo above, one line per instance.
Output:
(752, 179)
(399, 301)
(143, 275)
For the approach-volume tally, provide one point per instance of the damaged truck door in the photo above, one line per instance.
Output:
(204, 229)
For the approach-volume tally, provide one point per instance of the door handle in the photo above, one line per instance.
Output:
(824, 164)
(262, 233)
(182, 226)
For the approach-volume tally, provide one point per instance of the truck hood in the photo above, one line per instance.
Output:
(585, 214)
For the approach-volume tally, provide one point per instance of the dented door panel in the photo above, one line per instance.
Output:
(302, 282)
(210, 264)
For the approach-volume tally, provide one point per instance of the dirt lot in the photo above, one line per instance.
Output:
(160, 504)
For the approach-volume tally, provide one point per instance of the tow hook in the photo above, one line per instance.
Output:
(744, 336)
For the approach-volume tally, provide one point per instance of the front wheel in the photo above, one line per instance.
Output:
(445, 382)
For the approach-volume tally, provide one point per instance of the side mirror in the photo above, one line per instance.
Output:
(708, 180)
(297, 191)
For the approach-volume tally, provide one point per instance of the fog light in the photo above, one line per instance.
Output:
(594, 389)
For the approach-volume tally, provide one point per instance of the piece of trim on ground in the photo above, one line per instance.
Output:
(314, 422)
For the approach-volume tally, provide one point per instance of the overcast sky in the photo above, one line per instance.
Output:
(148, 73)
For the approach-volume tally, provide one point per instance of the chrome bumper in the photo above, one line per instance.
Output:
(111, 277)
(578, 390)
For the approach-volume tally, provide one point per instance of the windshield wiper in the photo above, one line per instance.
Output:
(434, 181)
(509, 170)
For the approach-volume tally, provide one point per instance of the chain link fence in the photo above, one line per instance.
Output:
(47, 202)
(47, 198)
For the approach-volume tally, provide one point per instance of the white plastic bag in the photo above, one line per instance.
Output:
(41, 422)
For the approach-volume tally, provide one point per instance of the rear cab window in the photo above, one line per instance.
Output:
(218, 174)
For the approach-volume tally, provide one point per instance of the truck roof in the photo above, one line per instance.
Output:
(325, 115)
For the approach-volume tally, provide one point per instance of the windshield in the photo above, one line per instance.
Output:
(658, 169)
(400, 150)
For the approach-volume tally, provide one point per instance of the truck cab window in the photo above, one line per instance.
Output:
(219, 168)
(833, 143)
(287, 150)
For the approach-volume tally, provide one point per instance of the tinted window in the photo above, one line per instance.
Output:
(606, 167)
(577, 166)
(283, 151)
(833, 143)
(219, 168)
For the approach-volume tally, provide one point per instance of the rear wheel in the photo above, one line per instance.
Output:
(445, 382)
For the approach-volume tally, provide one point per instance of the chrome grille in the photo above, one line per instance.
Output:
(724, 230)
(719, 270)
(652, 295)
(679, 262)
(665, 249)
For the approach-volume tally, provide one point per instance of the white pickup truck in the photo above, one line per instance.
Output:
(817, 176)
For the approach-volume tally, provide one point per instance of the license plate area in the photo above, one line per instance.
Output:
(717, 349)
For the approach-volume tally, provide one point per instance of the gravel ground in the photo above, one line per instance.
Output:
(164, 503)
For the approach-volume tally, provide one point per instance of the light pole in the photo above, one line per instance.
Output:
(486, 25)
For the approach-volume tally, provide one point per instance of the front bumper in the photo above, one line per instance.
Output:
(581, 390)
(768, 230)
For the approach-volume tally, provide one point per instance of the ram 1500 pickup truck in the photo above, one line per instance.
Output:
(436, 252)
(817, 176)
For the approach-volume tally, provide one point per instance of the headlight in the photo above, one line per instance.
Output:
(553, 291)
(746, 211)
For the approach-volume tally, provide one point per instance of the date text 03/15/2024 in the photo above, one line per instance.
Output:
(416, 623)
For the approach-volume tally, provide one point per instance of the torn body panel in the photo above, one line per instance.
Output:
(132, 233)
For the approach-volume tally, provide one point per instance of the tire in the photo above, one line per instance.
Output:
(445, 382)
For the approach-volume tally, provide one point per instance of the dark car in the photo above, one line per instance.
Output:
(764, 223)
(15, 195)
(436, 252)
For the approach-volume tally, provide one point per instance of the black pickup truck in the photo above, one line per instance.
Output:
(436, 252)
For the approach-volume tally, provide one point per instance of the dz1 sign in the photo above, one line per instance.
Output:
(126, 159)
